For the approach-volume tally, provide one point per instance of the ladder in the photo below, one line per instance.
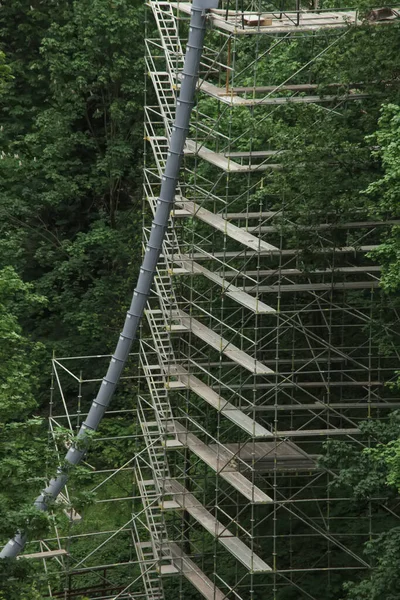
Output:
(166, 82)
(150, 491)
(147, 551)
(168, 30)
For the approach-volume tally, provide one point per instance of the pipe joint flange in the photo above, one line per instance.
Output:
(122, 335)
(168, 178)
(179, 127)
(86, 427)
(156, 225)
(97, 403)
(144, 270)
(185, 102)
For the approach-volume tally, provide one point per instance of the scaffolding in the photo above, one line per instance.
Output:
(260, 342)
(261, 356)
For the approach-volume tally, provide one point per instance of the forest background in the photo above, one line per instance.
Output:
(72, 80)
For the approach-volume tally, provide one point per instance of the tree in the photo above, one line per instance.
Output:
(384, 193)
(23, 446)
(366, 473)
(71, 183)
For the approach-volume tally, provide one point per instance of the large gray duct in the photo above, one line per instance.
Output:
(141, 293)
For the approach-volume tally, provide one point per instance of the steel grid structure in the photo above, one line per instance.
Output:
(90, 551)
(261, 358)
(250, 358)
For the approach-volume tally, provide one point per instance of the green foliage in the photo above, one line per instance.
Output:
(70, 170)
(23, 446)
(71, 164)
(384, 554)
(367, 473)
(384, 194)
(20, 580)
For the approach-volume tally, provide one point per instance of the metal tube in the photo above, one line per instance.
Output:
(141, 293)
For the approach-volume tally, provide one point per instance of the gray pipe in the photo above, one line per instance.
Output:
(141, 293)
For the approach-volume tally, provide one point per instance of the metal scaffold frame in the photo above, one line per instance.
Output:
(255, 377)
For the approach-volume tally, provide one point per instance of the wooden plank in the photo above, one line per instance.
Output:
(296, 272)
(360, 404)
(176, 385)
(250, 560)
(176, 328)
(189, 502)
(45, 554)
(324, 226)
(224, 254)
(295, 87)
(255, 153)
(168, 570)
(309, 20)
(253, 304)
(232, 98)
(171, 444)
(270, 456)
(224, 162)
(226, 408)
(231, 542)
(316, 287)
(222, 462)
(195, 575)
(317, 432)
(222, 345)
(218, 222)
(170, 505)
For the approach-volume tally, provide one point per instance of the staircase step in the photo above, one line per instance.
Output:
(171, 444)
(170, 505)
(168, 570)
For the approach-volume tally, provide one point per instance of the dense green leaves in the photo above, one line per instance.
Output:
(384, 193)
(23, 444)
(371, 475)
(70, 166)
(23, 447)
(71, 78)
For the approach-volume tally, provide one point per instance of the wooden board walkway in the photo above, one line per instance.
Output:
(315, 287)
(271, 23)
(224, 162)
(270, 456)
(218, 222)
(231, 542)
(221, 345)
(230, 290)
(226, 408)
(220, 461)
(194, 574)
(45, 554)
(232, 98)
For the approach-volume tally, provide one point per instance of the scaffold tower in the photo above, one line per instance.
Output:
(258, 356)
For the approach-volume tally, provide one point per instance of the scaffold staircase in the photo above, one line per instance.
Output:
(170, 40)
(161, 556)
